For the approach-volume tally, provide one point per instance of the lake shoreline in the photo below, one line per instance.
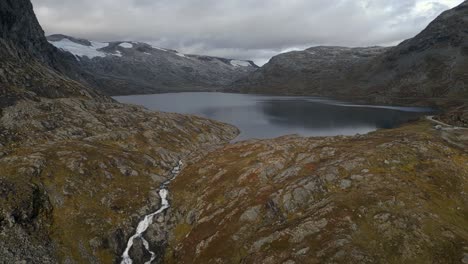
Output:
(265, 117)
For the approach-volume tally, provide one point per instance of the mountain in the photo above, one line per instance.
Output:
(80, 174)
(433, 64)
(314, 71)
(29, 65)
(431, 67)
(119, 68)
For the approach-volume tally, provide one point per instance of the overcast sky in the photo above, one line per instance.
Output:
(241, 29)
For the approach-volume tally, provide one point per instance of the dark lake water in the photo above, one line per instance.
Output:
(259, 116)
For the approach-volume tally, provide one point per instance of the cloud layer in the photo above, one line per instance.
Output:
(247, 29)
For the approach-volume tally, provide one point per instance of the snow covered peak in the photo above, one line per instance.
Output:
(180, 55)
(240, 63)
(158, 48)
(81, 50)
(126, 45)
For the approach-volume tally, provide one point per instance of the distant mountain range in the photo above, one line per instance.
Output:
(432, 67)
(318, 71)
(127, 67)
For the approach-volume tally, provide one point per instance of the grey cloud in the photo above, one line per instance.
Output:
(247, 29)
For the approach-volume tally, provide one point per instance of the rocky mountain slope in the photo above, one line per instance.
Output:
(29, 66)
(432, 66)
(77, 170)
(315, 71)
(76, 175)
(119, 68)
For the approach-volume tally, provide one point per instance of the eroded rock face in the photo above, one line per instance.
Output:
(29, 66)
(19, 26)
(394, 195)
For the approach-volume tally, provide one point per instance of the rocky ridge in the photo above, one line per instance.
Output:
(127, 67)
(430, 68)
(315, 71)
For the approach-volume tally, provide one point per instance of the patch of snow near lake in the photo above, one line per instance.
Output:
(158, 48)
(180, 55)
(126, 45)
(239, 63)
(81, 50)
(117, 53)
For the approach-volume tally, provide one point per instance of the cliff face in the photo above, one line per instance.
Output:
(29, 65)
(431, 67)
(19, 28)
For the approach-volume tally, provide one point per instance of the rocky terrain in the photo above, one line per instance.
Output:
(395, 196)
(121, 68)
(79, 172)
(430, 68)
(76, 175)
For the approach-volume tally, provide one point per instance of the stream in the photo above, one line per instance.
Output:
(148, 219)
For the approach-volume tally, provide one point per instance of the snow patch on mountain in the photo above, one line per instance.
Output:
(80, 50)
(118, 53)
(180, 55)
(126, 45)
(158, 48)
(239, 63)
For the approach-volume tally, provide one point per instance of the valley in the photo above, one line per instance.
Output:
(89, 178)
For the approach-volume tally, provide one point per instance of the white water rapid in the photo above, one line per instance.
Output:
(148, 220)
